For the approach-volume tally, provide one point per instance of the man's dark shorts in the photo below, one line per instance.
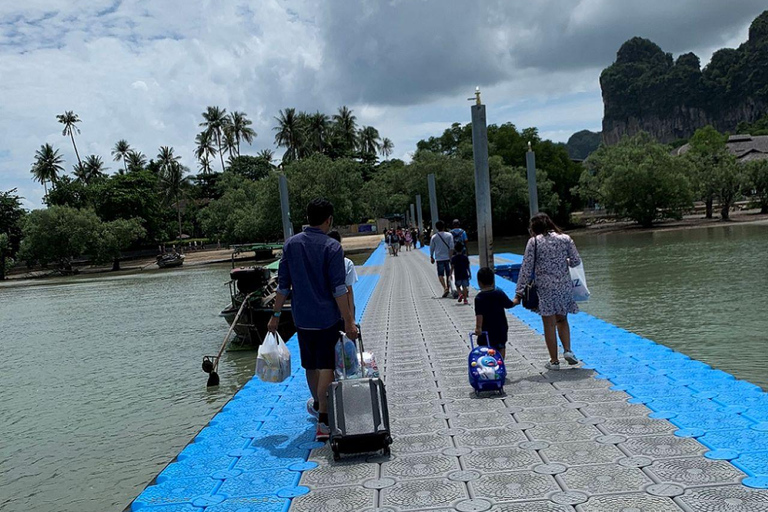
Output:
(317, 347)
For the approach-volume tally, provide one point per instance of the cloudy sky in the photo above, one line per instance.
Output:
(144, 70)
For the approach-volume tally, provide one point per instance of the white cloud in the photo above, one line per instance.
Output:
(144, 70)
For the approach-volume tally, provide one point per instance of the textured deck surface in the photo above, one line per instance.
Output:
(558, 441)
(653, 431)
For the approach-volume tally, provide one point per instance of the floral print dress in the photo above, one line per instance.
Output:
(554, 254)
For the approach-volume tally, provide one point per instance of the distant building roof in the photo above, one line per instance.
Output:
(744, 147)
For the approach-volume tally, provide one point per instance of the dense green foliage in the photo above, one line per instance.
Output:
(715, 174)
(11, 221)
(638, 179)
(646, 81)
(581, 144)
(759, 127)
(557, 174)
(60, 234)
(756, 181)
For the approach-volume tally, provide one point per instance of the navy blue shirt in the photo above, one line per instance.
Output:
(312, 272)
(492, 304)
(460, 264)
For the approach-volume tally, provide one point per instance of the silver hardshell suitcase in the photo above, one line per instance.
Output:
(358, 415)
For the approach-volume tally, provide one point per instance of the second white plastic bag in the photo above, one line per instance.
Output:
(579, 281)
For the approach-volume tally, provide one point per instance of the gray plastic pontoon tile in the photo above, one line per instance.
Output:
(726, 499)
(582, 452)
(531, 506)
(422, 466)
(540, 415)
(616, 410)
(498, 436)
(630, 502)
(556, 432)
(348, 473)
(696, 471)
(513, 486)
(420, 443)
(478, 405)
(638, 426)
(536, 400)
(597, 395)
(416, 409)
(419, 494)
(337, 499)
(482, 420)
(663, 447)
(507, 458)
(605, 478)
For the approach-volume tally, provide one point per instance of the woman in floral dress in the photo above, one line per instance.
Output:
(555, 252)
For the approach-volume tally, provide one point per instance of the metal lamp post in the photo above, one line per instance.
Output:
(482, 182)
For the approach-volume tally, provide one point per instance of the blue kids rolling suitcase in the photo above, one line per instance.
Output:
(487, 371)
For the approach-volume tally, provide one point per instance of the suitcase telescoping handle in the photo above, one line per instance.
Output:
(359, 346)
(472, 338)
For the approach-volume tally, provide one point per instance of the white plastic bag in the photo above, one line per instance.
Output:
(579, 281)
(273, 363)
(454, 290)
(347, 359)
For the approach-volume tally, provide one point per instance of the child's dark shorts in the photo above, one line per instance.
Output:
(482, 341)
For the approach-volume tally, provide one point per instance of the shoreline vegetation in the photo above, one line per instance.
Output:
(366, 243)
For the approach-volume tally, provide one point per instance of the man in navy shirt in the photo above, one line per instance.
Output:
(312, 272)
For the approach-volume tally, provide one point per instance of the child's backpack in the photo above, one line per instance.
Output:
(486, 368)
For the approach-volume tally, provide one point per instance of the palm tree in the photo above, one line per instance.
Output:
(289, 134)
(230, 143)
(136, 161)
(317, 131)
(92, 168)
(171, 178)
(205, 146)
(205, 164)
(47, 165)
(266, 154)
(215, 122)
(69, 119)
(239, 125)
(387, 147)
(345, 128)
(369, 140)
(120, 152)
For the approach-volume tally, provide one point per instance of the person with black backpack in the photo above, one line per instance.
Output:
(440, 251)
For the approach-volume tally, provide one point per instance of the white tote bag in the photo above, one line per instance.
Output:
(273, 363)
(579, 282)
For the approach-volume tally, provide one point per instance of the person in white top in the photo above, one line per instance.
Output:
(351, 273)
(440, 251)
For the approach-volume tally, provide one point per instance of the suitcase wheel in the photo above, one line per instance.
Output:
(386, 452)
(335, 449)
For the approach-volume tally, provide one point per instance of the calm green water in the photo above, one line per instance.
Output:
(102, 383)
(701, 291)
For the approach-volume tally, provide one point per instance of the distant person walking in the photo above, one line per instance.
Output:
(548, 255)
(461, 272)
(312, 272)
(440, 251)
(459, 235)
(408, 240)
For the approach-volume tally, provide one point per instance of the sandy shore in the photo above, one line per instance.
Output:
(746, 217)
(351, 245)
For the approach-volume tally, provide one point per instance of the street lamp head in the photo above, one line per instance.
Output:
(529, 146)
(477, 96)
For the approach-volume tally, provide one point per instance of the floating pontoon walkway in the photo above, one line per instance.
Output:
(638, 428)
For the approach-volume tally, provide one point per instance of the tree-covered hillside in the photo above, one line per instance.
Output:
(648, 90)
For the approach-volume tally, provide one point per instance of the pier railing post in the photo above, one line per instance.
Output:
(413, 216)
(285, 208)
(420, 220)
(482, 183)
(432, 201)
(533, 191)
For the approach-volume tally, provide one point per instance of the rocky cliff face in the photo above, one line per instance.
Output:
(647, 90)
(681, 122)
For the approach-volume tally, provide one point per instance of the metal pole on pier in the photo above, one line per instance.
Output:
(413, 215)
(420, 225)
(533, 191)
(432, 201)
(285, 208)
(482, 182)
